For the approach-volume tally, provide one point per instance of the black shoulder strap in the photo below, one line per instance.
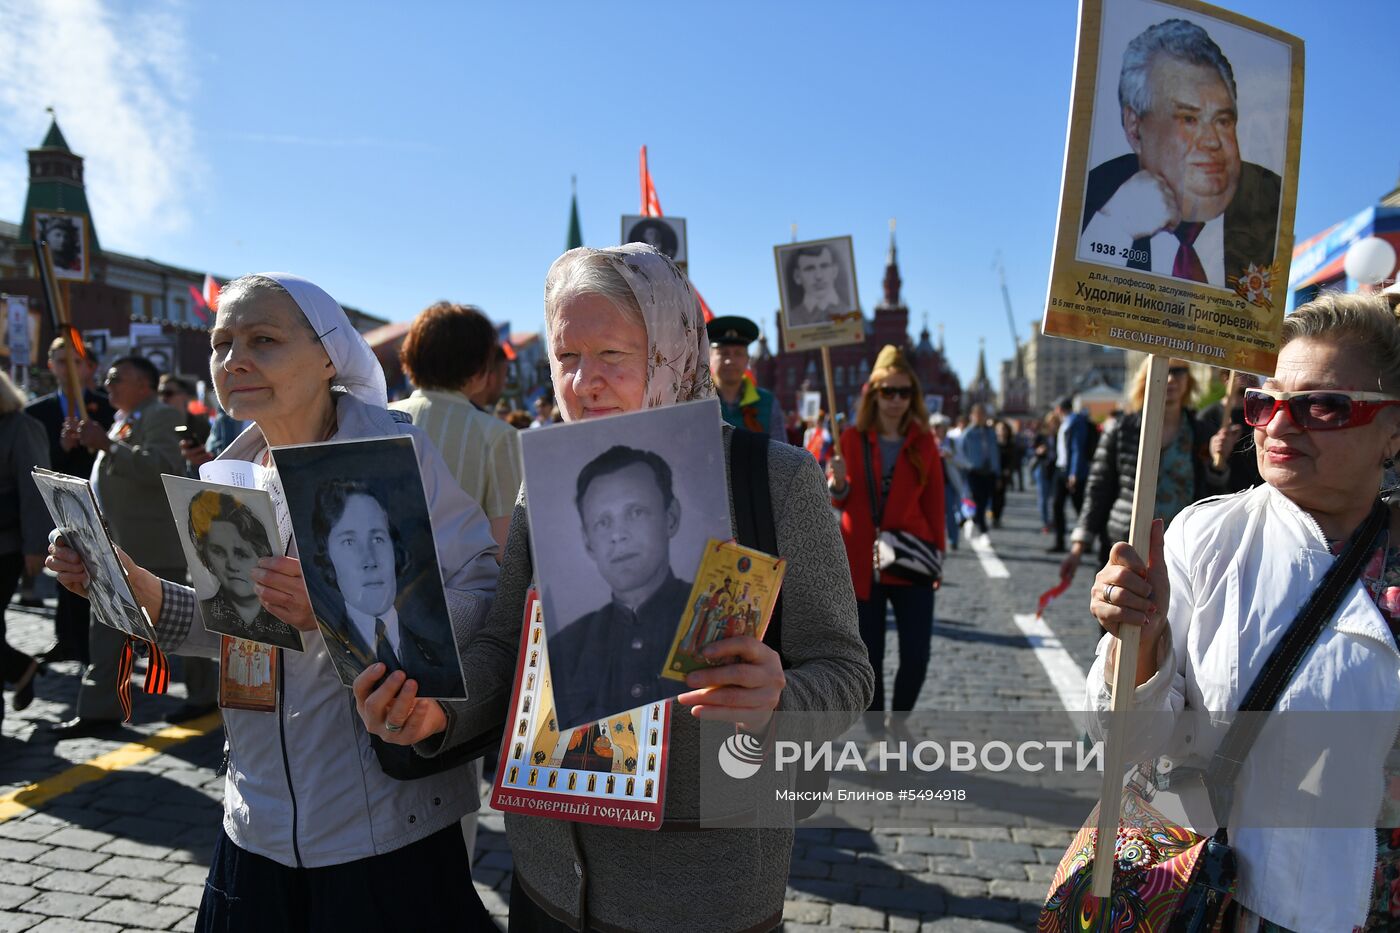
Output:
(1264, 694)
(753, 511)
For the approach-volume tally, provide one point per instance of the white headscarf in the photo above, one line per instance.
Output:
(678, 349)
(356, 368)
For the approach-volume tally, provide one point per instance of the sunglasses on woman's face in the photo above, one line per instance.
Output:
(1319, 410)
(896, 391)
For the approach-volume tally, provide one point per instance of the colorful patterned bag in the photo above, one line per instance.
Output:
(1167, 878)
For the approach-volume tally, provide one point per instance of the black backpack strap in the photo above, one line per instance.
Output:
(1283, 663)
(742, 457)
(753, 512)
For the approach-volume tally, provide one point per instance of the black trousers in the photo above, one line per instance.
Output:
(13, 662)
(1063, 495)
(913, 619)
(984, 486)
(424, 886)
(70, 623)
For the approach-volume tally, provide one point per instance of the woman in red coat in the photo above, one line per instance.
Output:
(892, 445)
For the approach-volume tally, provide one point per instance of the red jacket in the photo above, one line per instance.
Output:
(915, 502)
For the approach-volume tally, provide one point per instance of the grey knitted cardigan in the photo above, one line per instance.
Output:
(706, 880)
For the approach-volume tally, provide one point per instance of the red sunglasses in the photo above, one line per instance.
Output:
(1324, 410)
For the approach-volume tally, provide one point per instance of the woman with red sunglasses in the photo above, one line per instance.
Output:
(1220, 589)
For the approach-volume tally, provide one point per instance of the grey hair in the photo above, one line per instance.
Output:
(254, 286)
(1365, 322)
(1179, 39)
(11, 398)
(584, 271)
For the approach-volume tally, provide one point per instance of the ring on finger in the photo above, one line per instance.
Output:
(391, 727)
(1108, 593)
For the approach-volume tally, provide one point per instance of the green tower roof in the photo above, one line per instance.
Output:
(54, 138)
(56, 184)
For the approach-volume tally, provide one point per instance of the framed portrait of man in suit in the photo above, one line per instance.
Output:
(621, 509)
(365, 540)
(1180, 183)
(817, 292)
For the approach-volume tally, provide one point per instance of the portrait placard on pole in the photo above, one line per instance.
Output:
(1175, 230)
(817, 290)
(820, 304)
(667, 234)
(1176, 209)
(17, 332)
(67, 237)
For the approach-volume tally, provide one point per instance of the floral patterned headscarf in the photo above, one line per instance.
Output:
(678, 349)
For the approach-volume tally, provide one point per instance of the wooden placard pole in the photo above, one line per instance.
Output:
(57, 299)
(831, 403)
(1125, 672)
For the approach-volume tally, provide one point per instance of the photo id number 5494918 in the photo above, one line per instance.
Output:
(928, 793)
(1129, 255)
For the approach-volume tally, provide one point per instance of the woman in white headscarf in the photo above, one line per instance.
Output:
(323, 824)
(625, 333)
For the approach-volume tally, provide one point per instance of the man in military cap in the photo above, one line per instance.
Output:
(745, 405)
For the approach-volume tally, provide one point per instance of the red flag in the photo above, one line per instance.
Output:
(208, 300)
(651, 207)
(1050, 596)
(704, 308)
(817, 445)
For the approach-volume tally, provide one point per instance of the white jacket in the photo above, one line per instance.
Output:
(304, 787)
(1241, 569)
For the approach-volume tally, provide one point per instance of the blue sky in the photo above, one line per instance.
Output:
(397, 155)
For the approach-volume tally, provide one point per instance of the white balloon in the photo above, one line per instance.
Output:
(1370, 260)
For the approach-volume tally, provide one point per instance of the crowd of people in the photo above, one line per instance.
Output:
(330, 817)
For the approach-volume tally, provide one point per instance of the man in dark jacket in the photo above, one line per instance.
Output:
(1074, 452)
(129, 459)
(68, 456)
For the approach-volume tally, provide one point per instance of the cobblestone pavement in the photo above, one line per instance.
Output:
(128, 851)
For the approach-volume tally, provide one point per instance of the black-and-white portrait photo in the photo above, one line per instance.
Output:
(365, 540)
(160, 350)
(1188, 146)
(74, 510)
(816, 281)
(621, 509)
(66, 236)
(667, 234)
(225, 531)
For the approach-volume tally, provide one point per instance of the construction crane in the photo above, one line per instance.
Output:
(1016, 393)
(1006, 300)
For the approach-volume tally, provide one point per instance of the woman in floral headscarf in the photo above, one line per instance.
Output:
(625, 333)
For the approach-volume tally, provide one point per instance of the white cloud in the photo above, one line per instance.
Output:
(121, 88)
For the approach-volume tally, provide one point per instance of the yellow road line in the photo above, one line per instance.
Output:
(19, 802)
